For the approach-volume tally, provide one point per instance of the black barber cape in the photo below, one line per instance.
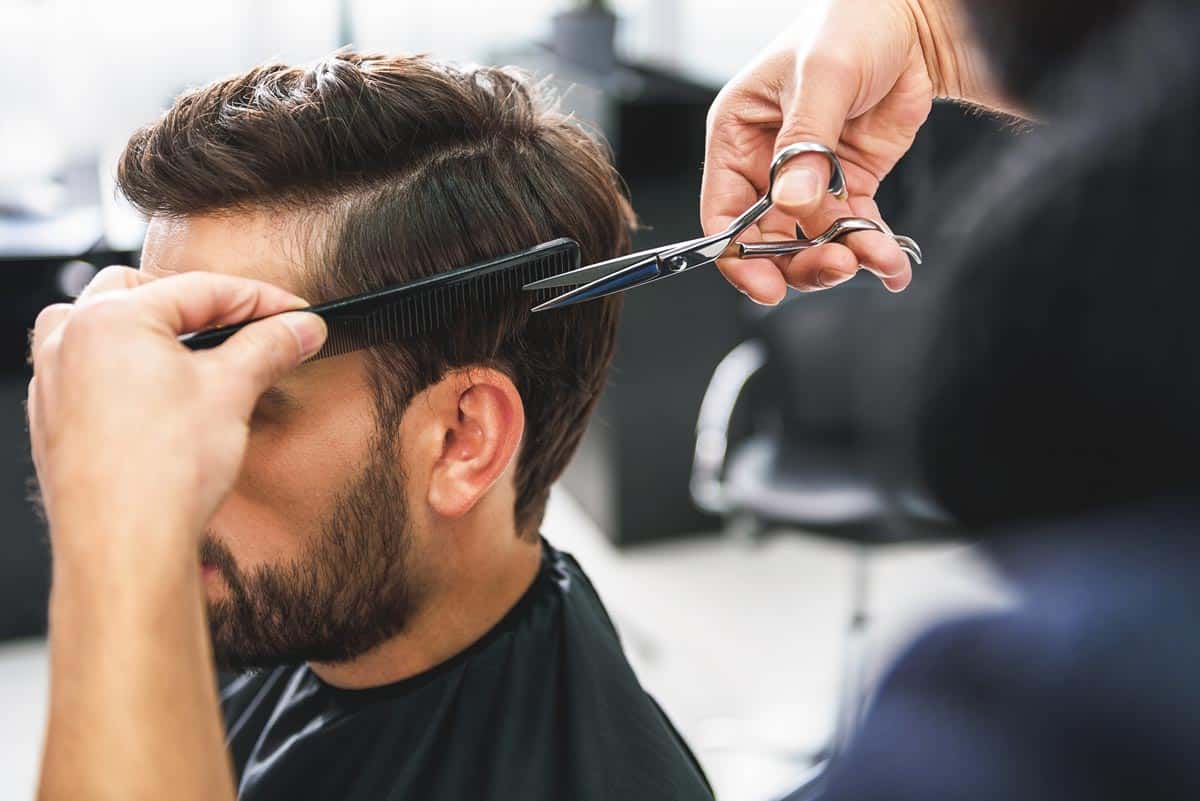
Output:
(544, 706)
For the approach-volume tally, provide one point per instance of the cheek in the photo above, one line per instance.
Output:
(289, 482)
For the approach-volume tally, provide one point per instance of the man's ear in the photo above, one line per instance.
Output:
(480, 418)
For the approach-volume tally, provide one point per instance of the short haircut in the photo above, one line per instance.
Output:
(409, 167)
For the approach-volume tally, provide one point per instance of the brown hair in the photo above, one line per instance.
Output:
(413, 167)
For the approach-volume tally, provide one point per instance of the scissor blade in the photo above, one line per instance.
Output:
(591, 272)
(640, 272)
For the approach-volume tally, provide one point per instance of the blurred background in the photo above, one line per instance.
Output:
(757, 593)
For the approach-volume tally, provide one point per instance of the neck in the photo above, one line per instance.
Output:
(482, 574)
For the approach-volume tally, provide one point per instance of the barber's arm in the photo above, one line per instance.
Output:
(858, 76)
(136, 441)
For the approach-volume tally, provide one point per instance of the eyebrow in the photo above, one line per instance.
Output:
(276, 396)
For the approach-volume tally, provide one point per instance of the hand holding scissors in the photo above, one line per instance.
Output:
(637, 269)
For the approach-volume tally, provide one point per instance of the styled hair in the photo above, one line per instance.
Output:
(406, 167)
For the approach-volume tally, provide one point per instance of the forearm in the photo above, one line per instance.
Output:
(953, 57)
(133, 702)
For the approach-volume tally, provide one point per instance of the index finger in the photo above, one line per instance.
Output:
(112, 278)
(191, 301)
(736, 155)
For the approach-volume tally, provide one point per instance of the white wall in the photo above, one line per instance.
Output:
(78, 75)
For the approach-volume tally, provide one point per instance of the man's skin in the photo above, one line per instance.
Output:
(129, 642)
(311, 434)
(133, 476)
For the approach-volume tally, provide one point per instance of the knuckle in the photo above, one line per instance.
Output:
(268, 347)
(750, 100)
(95, 317)
(723, 112)
(717, 109)
(50, 312)
(833, 62)
(115, 276)
(117, 271)
(47, 352)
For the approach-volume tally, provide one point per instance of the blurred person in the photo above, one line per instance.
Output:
(1050, 374)
(367, 525)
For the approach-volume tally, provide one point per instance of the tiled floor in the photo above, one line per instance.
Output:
(740, 642)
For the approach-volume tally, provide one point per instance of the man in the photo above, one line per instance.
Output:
(376, 564)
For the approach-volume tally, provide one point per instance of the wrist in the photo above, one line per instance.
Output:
(126, 556)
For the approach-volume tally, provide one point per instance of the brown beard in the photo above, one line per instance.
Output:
(349, 590)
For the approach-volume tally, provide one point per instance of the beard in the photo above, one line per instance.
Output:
(349, 590)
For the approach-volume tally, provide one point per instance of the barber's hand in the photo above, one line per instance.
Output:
(851, 75)
(133, 432)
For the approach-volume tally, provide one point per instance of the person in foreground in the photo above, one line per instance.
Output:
(1049, 388)
(359, 536)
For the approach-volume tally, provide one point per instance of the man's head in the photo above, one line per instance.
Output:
(367, 474)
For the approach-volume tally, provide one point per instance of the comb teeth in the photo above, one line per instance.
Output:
(447, 298)
(423, 305)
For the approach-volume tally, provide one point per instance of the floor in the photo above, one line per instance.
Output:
(739, 641)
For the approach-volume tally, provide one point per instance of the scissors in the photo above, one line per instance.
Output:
(637, 269)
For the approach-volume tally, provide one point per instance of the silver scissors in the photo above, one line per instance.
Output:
(636, 269)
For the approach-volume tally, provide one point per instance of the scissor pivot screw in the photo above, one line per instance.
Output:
(677, 263)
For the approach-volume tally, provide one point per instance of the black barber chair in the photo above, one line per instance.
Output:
(778, 445)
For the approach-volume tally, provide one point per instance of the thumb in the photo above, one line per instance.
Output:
(817, 112)
(263, 352)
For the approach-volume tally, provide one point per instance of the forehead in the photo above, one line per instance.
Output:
(254, 244)
(266, 246)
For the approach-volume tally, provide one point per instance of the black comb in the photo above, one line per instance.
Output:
(423, 305)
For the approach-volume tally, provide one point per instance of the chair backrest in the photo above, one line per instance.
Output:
(813, 361)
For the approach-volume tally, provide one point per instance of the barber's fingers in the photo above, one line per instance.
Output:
(880, 253)
(31, 414)
(816, 107)
(191, 301)
(258, 355)
(49, 320)
(834, 263)
(758, 279)
(740, 135)
(263, 352)
(738, 154)
(112, 278)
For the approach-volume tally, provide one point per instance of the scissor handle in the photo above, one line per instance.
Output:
(696, 252)
(837, 179)
(837, 184)
(840, 227)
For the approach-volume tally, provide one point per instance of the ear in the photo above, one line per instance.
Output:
(482, 420)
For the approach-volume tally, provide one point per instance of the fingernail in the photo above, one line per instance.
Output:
(831, 278)
(309, 329)
(798, 187)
